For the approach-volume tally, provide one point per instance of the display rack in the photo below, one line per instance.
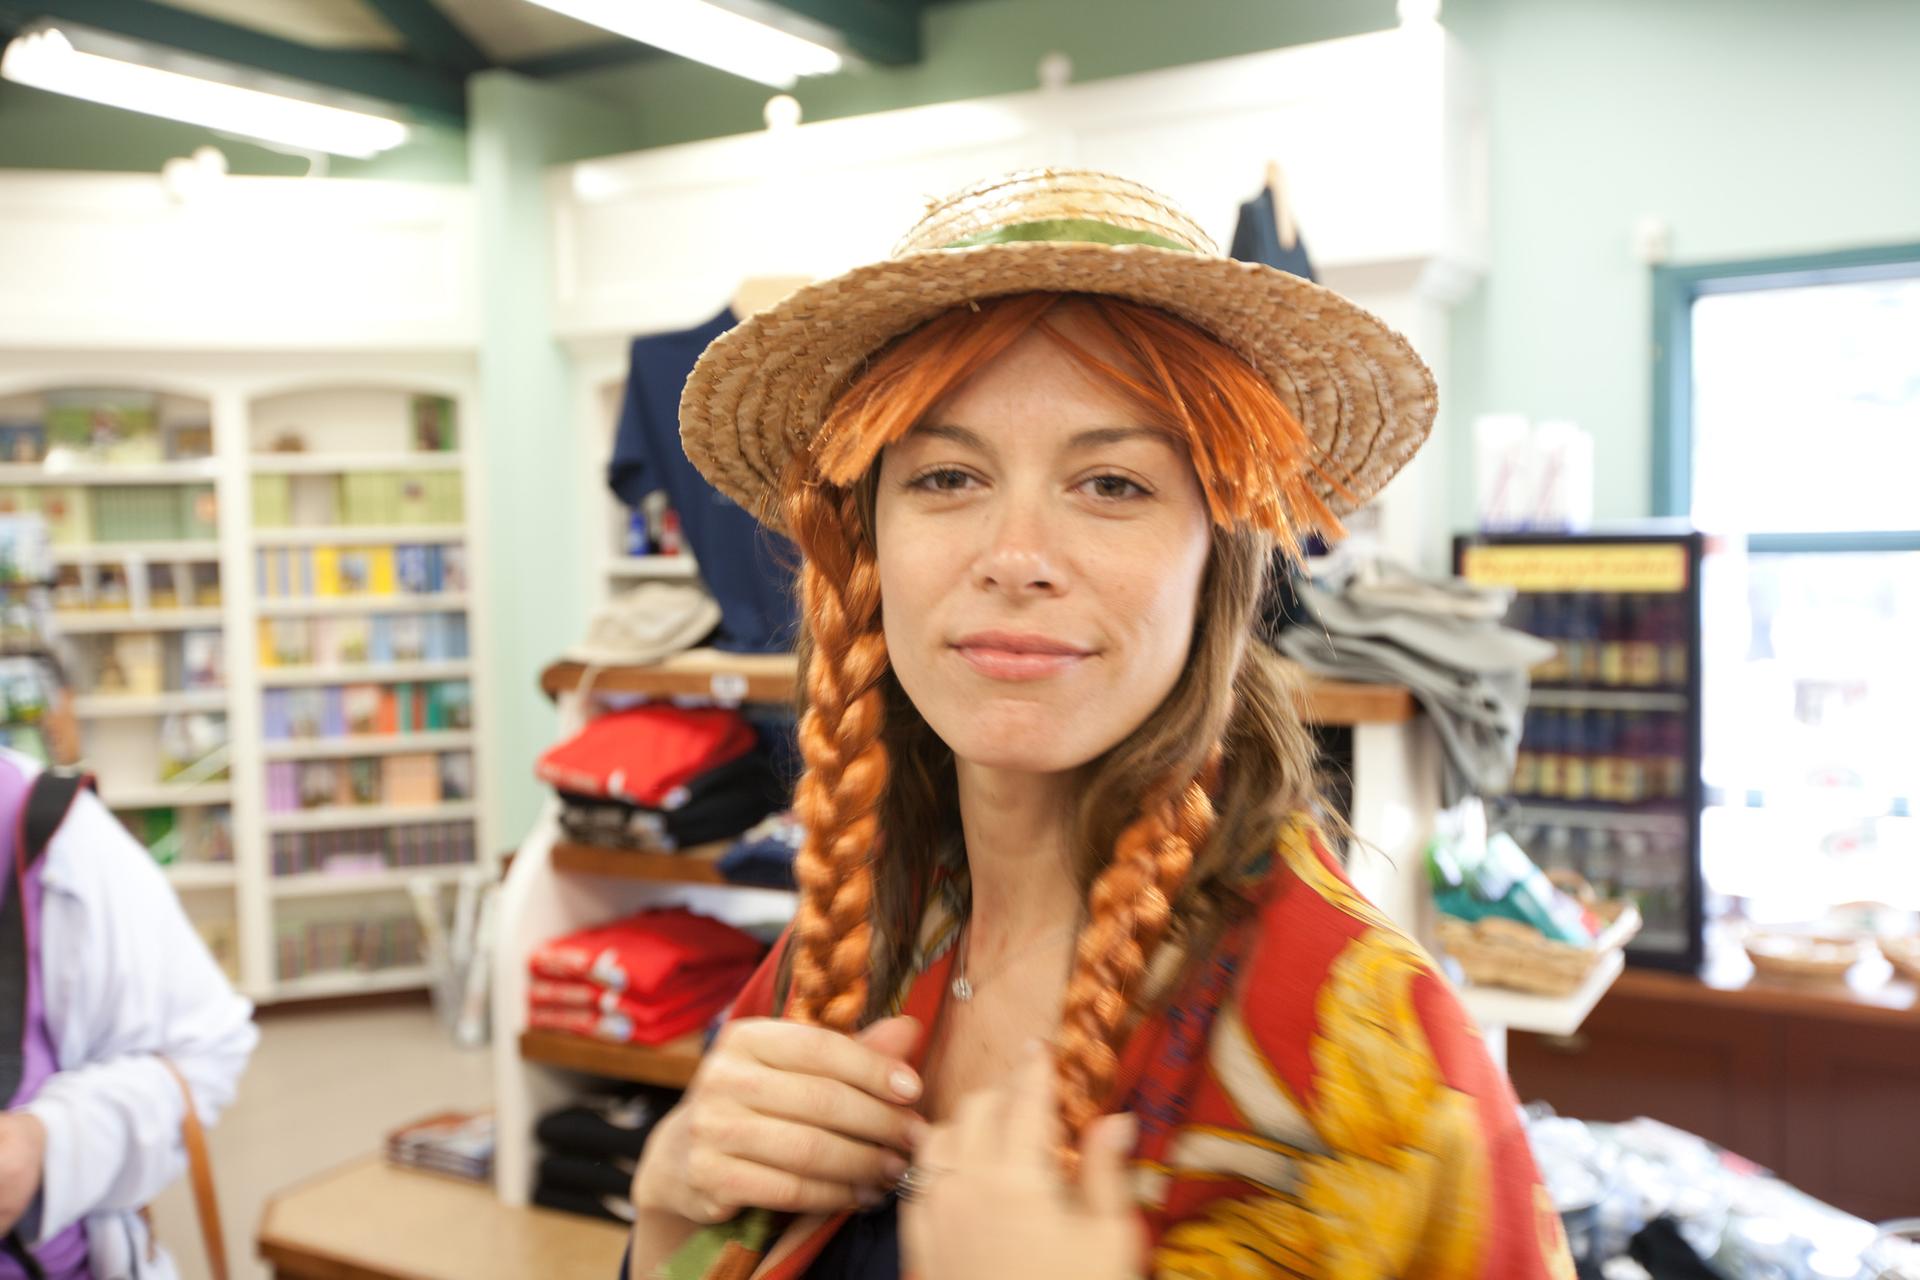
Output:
(349, 424)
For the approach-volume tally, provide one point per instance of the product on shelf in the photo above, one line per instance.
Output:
(457, 1143)
(111, 427)
(402, 847)
(193, 747)
(332, 711)
(646, 979)
(435, 429)
(306, 947)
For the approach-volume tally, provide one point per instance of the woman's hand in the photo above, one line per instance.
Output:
(995, 1203)
(787, 1117)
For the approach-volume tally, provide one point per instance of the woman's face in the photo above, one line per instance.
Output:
(1041, 551)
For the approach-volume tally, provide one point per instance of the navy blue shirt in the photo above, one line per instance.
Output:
(748, 570)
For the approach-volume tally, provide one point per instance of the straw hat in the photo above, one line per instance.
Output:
(762, 389)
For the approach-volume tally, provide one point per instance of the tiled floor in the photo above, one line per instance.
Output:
(324, 1088)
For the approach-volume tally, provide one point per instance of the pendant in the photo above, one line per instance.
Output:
(962, 989)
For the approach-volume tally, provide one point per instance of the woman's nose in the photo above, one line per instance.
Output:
(1022, 554)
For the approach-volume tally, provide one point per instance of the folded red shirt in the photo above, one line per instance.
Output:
(647, 955)
(619, 1028)
(642, 754)
(706, 990)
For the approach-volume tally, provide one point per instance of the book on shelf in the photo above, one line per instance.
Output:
(411, 781)
(23, 441)
(138, 658)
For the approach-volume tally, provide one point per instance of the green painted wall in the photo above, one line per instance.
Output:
(1751, 129)
(538, 589)
(980, 47)
(40, 130)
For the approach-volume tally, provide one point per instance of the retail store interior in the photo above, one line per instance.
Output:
(469, 751)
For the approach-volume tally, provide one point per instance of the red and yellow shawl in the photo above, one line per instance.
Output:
(1313, 1102)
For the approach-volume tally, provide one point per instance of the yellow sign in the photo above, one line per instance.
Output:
(1651, 567)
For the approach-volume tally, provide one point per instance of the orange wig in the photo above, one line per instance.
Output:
(1257, 472)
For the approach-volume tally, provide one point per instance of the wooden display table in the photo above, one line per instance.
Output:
(370, 1221)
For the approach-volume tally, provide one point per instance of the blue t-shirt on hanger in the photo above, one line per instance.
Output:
(748, 570)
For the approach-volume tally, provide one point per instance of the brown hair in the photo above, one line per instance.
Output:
(1219, 763)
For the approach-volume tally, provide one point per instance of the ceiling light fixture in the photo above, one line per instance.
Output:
(125, 74)
(709, 33)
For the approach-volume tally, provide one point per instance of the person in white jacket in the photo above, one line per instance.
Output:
(124, 982)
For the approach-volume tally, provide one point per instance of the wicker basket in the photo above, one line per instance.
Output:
(1797, 957)
(1496, 952)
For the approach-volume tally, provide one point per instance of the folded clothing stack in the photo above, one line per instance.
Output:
(589, 1152)
(459, 1143)
(647, 979)
(662, 778)
(764, 855)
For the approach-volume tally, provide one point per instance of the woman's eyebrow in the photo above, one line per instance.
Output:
(946, 431)
(1098, 436)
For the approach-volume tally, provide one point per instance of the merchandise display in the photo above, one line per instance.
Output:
(646, 979)
(1607, 778)
(590, 1150)
(458, 1143)
(749, 571)
(639, 756)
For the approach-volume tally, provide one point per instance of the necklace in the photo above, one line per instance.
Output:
(963, 987)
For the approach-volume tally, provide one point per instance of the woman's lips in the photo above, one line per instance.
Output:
(1002, 656)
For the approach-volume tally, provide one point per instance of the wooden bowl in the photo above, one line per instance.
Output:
(1802, 957)
(1903, 954)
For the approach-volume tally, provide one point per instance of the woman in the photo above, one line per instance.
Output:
(1074, 986)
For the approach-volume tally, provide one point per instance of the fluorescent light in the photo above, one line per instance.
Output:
(711, 34)
(46, 59)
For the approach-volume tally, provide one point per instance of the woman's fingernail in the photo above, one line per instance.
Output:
(906, 1085)
(894, 1166)
(869, 1197)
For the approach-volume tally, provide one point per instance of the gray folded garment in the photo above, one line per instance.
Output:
(1469, 675)
(1390, 585)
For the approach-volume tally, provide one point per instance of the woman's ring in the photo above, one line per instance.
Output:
(917, 1181)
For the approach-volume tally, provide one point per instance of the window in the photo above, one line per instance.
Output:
(1789, 419)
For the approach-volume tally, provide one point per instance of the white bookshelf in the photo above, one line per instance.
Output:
(373, 744)
(355, 413)
(320, 606)
(74, 622)
(354, 535)
(203, 795)
(327, 884)
(366, 673)
(319, 464)
(180, 551)
(105, 706)
(349, 817)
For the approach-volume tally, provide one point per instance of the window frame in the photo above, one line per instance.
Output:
(1675, 290)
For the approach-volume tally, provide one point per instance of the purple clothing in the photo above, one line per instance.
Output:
(65, 1256)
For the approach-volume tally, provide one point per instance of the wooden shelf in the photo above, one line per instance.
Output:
(769, 677)
(699, 865)
(671, 1065)
(201, 875)
(748, 677)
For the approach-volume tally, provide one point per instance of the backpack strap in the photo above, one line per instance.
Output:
(48, 803)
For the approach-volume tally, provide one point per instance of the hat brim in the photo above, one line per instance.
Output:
(761, 390)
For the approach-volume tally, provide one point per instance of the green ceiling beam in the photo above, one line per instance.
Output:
(429, 91)
(882, 31)
(590, 57)
(431, 36)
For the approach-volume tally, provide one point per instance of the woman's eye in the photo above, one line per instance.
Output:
(1113, 487)
(942, 480)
